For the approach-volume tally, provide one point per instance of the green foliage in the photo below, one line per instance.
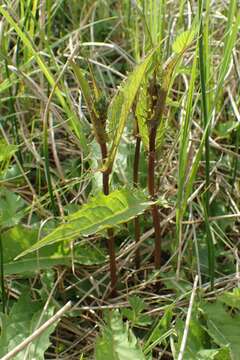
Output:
(223, 327)
(197, 342)
(121, 105)
(231, 299)
(161, 133)
(75, 124)
(183, 41)
(100, 213)
(213, 354)
(92, 102)
(135, 314)
(230, 37)
(219, 208)
(6, 151)
(19, 238)
(160, 331)
(196, 339)
(22, 320)
(212, 325)
(11, 208)
(225, 129)
(117, 341)
(184, 187)
(141, 115)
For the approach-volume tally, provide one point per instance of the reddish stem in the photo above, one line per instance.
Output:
(151, 190)
(137, 229)
(110, 240)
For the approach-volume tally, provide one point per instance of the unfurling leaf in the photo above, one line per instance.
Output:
(161, 132)
(121, 106)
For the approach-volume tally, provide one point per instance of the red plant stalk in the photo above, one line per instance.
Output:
(151, 190)
(137, 230)
(110, 239)
(158, 99)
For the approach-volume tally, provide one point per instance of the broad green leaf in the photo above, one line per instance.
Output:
(223, 327)
(197, 341)
(135, 314)
(6, 151)
(120, 108)
(11, 208)
(183, 41)
(231, 299)
(99, 213)
(117, 342)
(213, 354)
(219, 208)
(137, 303)
(20, 323)
(224, 129)
(19, 238)
(86, 256)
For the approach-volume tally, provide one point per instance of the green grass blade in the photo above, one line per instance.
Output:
(203, 64)
(74, 121)
(185, 133)
(230, 41)
(184, 145)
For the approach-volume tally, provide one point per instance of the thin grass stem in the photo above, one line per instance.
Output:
(205, 115)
